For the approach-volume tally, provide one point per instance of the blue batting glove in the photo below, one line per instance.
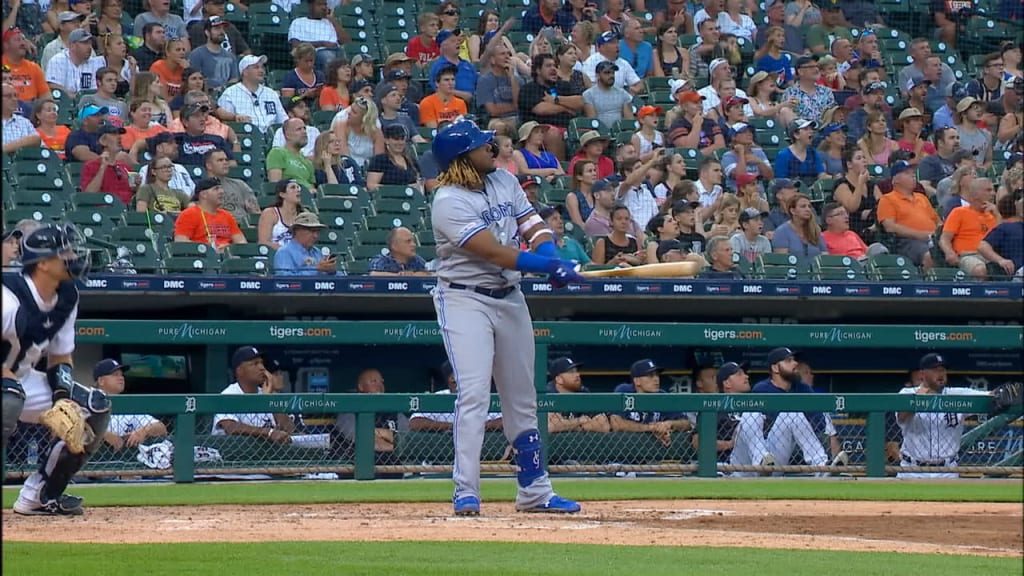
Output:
(561, 273)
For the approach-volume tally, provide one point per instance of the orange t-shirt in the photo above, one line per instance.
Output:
(331, 100)
(916, 212)
(133, 134)
(433, 109)
(200, 226)
(173, 80)
(57, 142)
(28, 79)
(846, 244)
(968, 227)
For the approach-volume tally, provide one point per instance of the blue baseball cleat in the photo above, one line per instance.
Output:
(467, 506)
(556, 505)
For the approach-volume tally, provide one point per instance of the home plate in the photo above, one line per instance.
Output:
(691, 514)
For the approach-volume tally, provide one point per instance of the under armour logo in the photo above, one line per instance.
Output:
(533, 438)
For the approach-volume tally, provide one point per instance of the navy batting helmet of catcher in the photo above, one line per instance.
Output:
(56, 241)
(456, 139)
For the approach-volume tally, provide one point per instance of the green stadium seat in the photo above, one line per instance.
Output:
(188, 265)
(409, 207)
(357, 267)
(822, 190)
(372, 237)
(247, 266)
(37, 213)
(191, 250)
(28, 198)
(251, 251)
(364, 252)
(397, 192)
(944, 274)
(773, 266)
(92, 222)
(389, 221)
(891, 267)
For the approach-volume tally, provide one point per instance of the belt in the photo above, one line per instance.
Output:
(923, 463)
(496, 293)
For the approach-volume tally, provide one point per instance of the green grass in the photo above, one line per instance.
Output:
(504, 490)
(445, 559)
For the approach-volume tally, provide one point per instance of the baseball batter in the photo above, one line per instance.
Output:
(480, 217)
(40, 306)
(932, 438)
(786, 430)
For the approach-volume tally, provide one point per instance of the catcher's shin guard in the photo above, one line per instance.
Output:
(13, 403)
(59, 465)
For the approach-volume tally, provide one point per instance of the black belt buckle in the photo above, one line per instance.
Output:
(496, 293)
(924, 463)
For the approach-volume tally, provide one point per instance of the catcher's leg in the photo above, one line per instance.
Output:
(13, 403)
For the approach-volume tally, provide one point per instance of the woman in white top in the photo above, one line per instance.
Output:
(648, 137)
(674, 169)
(733, 21)
(275, 224)
(358, 128)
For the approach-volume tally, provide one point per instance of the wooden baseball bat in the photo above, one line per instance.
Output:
(663, 270)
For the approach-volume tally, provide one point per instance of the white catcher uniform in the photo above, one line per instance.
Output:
(933, 438)
(486, 327)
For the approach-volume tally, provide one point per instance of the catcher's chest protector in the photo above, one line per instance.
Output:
(34, 327)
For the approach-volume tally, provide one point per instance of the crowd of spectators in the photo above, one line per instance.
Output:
(645, 131)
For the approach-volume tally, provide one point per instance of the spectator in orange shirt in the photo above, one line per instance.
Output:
(909, 215)
(170, 68)
(27, 77)
(140, 128)
(967, 226)
(335, 96)
(44, 117)
(840, 240)
(444, 105)
(205, 222)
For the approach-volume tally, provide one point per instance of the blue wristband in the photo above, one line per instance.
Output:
(547, 249)
(530, 262)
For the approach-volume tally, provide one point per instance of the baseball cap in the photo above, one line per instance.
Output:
(677, 84)
(648, 110)
(963, 154)
(684, 206)
(79, 35)
(601, 185)
(799, 124)
(441, 37)
(65, 16)
(716, 63)
(915, 82)
(606, 37)
(666, 246)
(192, 109)
(206, 184)
(605, 66)
(828, 116)
(308, 220)
(832, 5)
(272, 365)
(805, 60)
(875, 87)
(385, 89)
(956, 91)
(397, 58)
(562, 365)
(756, 79)
(214, 21)
(92, 110)
(736, 101)
(106, 367)
(245, 353)
(250, 60)
(834, 127)
(750, 213)
(740, 127)
(157, 139)
(591, 136)
(12, 233)
(779, 354)
(397, 74)
(781, 184)
(526, 180)
(729, 369)
(931, 360)
(643, 368)
(900, 166)
(111, 129)
(910, 113)
(744, 179)
(691, 96)
(359, 85)
(361, 58)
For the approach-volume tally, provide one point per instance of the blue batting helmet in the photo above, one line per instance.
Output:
(456, 139)
(55, 241)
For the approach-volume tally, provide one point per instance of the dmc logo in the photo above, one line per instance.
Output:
(174, 284)
(188, 331)
(412, 332)
(613, 287)
(96, 283)
(751, 289)
(892, 290)
(625, 333)
(249, 285)
(398, 285)
(821, 290)
(543, 287)
(323, 285)
(961, 291)
(682, 288)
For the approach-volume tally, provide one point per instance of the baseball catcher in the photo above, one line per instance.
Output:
(40, 306)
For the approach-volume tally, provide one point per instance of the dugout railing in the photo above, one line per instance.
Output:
(257, 456)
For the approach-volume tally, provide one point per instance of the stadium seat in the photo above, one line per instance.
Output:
(251, 251)
(408, 207)
(247, 266)
(187, 265)
(779, 267)
(389, 221)
(192, 250)
(944, 274)
(889, 267)
(357, 267)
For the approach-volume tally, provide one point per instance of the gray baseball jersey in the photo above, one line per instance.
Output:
(457, 214)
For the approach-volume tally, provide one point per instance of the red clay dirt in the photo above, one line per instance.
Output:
(905, 527)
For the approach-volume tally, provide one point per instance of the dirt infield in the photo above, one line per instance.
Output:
(926, 527)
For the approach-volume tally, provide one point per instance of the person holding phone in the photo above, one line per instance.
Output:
(300, 256)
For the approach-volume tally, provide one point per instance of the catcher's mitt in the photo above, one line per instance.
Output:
(65, 421)
(1005, 397)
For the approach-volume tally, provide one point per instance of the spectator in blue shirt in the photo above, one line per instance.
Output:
(799, 159)
(646, 379)
(465, 75)
(548, 14)
(401, 259)
(300, 256)
(635, 50)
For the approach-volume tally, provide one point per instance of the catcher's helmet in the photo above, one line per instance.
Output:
(55, 241)
(458, 138)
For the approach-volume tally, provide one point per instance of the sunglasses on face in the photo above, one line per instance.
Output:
(451, 12)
